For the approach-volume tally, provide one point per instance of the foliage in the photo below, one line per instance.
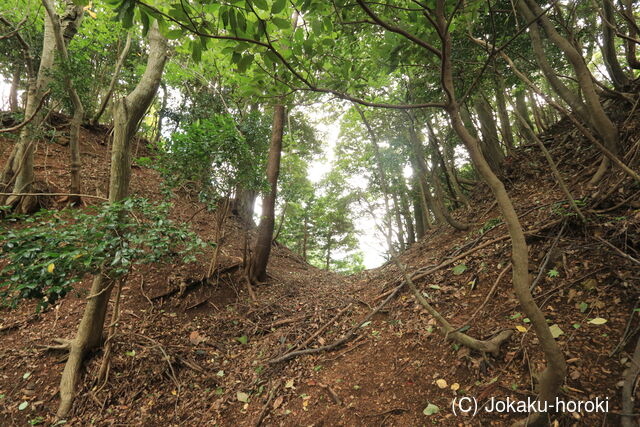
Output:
(50, 251)
(210, 157)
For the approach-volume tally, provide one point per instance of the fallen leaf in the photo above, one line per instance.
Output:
(598, 321)
(289, 384)
(455, 386)
(521, 328)
(430, 409)
(442, 383)
(51, 267)
(195, 338)
(242, 397)
(555, 330)
(278, 402)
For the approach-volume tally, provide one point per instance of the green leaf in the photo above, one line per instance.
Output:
(131, 353)
(430, 409)
(261, 4)
(281, 23)
(278, 6)
(242, 397)
(459, 269)
(555, 330)
(26, 375)
(244, 63)
(23, 406)
(242, 340)
(583, 307)
(553, 273)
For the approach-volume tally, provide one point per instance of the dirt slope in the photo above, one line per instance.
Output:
(202, 358)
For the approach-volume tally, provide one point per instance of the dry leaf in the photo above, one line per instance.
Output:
(442, 383)
(278, 402)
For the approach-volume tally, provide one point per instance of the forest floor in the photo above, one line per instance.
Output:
(201, 357)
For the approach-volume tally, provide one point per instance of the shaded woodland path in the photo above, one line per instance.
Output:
(200, 355)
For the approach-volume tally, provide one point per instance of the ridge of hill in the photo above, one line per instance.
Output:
(200, 356)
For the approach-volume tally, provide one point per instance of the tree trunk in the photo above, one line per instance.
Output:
(553, 376)
(262, 248)
(521, 107)
(535, 109)
(19, 168)
(630, 45)
(503, 114)
(243, 206)
(618, 76)
(127, 115)
(78, 109)
(597, 117)
(114, 79)
(305, 237)
(436, 203)
(383, 177)
(396, 214)
(490, 143)
(13, 92)
(418, 213)
(328, 257)
(406, 212)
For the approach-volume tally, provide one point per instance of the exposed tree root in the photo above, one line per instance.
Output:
(488, 346)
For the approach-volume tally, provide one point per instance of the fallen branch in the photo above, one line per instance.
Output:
(322, 328)
(489, 294)
(618, 251)
(547, 257)
(348, 337)
(55, 194)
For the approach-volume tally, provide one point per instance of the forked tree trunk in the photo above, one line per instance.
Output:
(78, 109)
(618, 76)
(112, 84)
(596, 116)
(553, 376)
(262, 249)
(127, 115)
(18, 173)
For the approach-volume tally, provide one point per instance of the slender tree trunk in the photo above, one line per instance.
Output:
(436, 203)
(521, 108)
(609, 51)
(448, 172)
(283, 217)
(18, 173)
(503, 114)
(78, 109)
(406, 212)
(262, 248)
(490, 143)
(630, 45)
(597, 117)
(396, 214)
(114, 79)
(13, 92)
(127, 115)
(418, 213)
(383, 177)
(535, 108)
(158, 132)
(553, 376)
(305, 237)
(328, 256)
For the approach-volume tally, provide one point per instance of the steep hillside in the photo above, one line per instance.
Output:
(204, 355)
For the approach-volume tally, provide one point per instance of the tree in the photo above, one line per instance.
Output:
(127, 115)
